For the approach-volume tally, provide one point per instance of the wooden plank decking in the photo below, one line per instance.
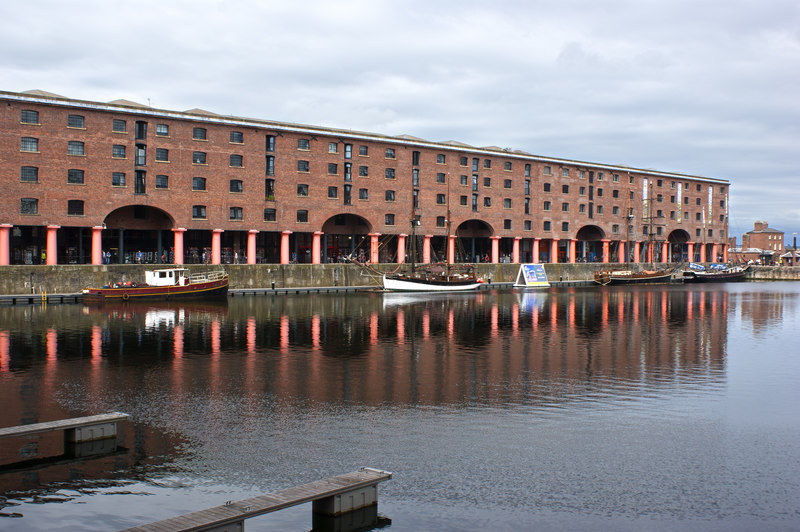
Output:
(62, 424)
(236, 512)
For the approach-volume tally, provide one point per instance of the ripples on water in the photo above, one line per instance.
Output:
(604, 408)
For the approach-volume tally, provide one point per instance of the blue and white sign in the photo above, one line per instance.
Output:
(532, 276)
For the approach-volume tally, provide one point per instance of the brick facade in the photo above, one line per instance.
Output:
(519, 200)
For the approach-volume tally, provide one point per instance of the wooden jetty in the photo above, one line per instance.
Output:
(331, 497)
(77, 429)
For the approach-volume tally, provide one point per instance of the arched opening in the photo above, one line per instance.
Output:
(138, 234)
(344, 235)
(678, 246)
(589, 245)
(473, 243)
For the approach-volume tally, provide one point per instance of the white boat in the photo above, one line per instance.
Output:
(433, 283)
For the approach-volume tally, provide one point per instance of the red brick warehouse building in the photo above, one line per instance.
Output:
(83, 179)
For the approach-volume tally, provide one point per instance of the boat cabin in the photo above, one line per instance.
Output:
(167, 277)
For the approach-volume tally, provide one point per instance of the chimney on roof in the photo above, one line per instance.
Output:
(759, 226)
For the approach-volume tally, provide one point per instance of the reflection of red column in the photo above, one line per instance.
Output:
(251, 246)
(284, 334)
(494, 324)
(315, 332)
(554, 250)
(97, 245)
(553, 315)
(572, 243)
(515, 318)
(401, 327)
(426, 249)
(373, 328)
(605, 250)
(689, 303)
(426, 324)
(495, 249)
(178, 238)
(51, 339)
(285, 246)
(664, 306)
(177, 346)
(535, 318)
(5, 244)
(5, 358)
(571, 313)
(535, 251)
(215, 338)
(401, 248)
(215, 357)
(515, 250)
(52, 244)
(636, 252)
(451, 323)
(702, 252)
(316, 248)
(665, 252)
(97, 345)
(251, 335)
(635, 296)
(373, 247)
(216, 246)
(451, 249)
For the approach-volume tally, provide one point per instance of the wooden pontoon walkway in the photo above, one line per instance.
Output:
(321, 491)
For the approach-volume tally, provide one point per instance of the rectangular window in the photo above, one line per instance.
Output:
(333, 168)
(507, 166)
(139, 182)
(348, 151)
(141, 155)
(565, 189)
(162, 155)
(507, 223)
(487, 181)
(303, 144)
(415, 177)
(118, 179)
(599, 192)
(74, 176)
(236, 186)
(507, 203)
(75, 147)
(440, 199)
(475, 164)
(615, 193)
(76, 121)
(546, 206)
(599, 176)
(462, 201)
(389, 173)
(565, 172)
(565, 226)
(29, 174)
(599, 209)
(118, 151)
(270, 165)
(415, 198)
(363, 171)
(269, 189)
(527, 205)
(236, 213)
(29, 206)
(119, 126)
(75, 207)
(333, 192)
(199, 133)
(199, 157)
(270, 144)
(199, 211)
(363, 194)
(474, 203)
(615, 229)
(348, 171)
(302, 190)
(527, 170)
(162, 181)
(389, 195)
(390, 153)
(237, 137)
(506, 183)
(302, 166)
(389, 219)
(29, 116)
(547, 170)
(162, 130)
(527, 187)
(582, 208)
(546, 187)
(363, 151)
(582, 191)
(487, 163)
(270, 215)
(464, 180)
(235, 160)
(615, 211)
(528, 225)
(565, 207)
(347, 198)
(615, 178)
(440, 221)
(141, 130)
(440, 158)
(546, 225)
(415, 158)
(302, 216)
(198, 183)
(487, 201)
(333, 147)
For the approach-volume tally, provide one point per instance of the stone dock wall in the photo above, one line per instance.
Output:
(65, 279)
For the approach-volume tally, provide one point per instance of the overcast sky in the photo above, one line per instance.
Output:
(709, 88)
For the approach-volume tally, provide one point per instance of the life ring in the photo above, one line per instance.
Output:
(125, 296)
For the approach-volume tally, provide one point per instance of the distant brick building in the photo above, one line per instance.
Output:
(87, 182)
(763, 244)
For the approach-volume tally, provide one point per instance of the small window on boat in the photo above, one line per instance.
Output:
(162, 274)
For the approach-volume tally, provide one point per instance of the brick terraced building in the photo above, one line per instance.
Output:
(88, 182)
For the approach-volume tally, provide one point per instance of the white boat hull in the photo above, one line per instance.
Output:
(421, 285)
